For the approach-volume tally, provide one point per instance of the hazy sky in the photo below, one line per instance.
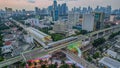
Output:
(30, 4)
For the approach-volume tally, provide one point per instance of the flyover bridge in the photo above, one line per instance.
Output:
(36, 53)
(104, 32)
(39, 36)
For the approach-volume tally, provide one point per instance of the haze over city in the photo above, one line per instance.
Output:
(30, 4)
(59, 34)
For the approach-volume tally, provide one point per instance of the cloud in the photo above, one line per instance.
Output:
(31, 1)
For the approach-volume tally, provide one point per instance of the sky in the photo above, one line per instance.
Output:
(30, 4)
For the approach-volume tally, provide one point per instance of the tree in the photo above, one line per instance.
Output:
(96, 55)
(40, 61)
(83, 32)
(29, 63)
(56, 64)
(52, 66)
(113, 35)
(1, 58)
(62, 62)
(50, 59)
(101, 49)
(43, 66)
(89, 59)
(57, 37)
(98, 42)
(64, 66)
(74, 66)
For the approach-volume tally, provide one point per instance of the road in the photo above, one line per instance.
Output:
(79, 60)
(32, 54)
(10, 61)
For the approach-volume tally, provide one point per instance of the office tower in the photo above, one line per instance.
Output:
(0, 19)
(50, 10)
(89, 9)
(88, 22)
(59, 9)
(99, 20)
(93, 21)
(64, 9)
(73, 18)
(36, 10)
(55, 11)
(108, 11)
(8, 9)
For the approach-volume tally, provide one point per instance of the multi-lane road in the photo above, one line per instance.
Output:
(32, 54)
(39, 53)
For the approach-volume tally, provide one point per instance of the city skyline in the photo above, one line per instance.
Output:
(30, 4)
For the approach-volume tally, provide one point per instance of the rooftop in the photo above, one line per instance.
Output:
(116, 47)
(8, 42)
(37, 32)
(110, 62)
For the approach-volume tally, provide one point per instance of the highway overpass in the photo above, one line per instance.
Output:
(38, 53)
(32, 54)
(104, 32)
(37, 35)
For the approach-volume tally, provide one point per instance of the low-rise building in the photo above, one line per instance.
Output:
(63, 28)
(114, 51)
(107, 62)
(6, 49)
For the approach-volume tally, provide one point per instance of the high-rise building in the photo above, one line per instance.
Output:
(50, 10)
(55, 11)
(0, 19)
(73, 18)
(108, 10)
(99, 20)
(36, 10)
(8, 9)
(64, 9)
(88, 22)
(93, 21)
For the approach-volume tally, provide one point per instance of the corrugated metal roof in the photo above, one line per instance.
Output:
(110, 62)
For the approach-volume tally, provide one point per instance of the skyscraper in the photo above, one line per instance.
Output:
(36, 10)
(50, 10)
(99, 20)
(88, 22)
(93, 21)
(64, 9)
(55, 11)
(73, 18)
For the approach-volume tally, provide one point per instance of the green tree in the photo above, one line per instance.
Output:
(52, 66)
(43, 66)
(64, 66)
(89, 59)
(74, 66)
(83, 32)
(62, 62)
(114, 34)
(1, 58)
(98, 42)
(57, 37)
(96, 55)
